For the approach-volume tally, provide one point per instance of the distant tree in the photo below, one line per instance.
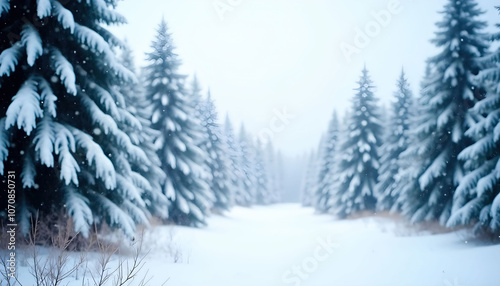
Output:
(309, 182)
(274, 170)
(241, 197)
(327, 162)
(217, 160)
(247, 165)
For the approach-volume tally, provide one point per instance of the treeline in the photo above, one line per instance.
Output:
(435, 157)
(90, 137)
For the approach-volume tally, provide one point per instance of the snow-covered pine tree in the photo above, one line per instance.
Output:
(263, 192)
(247, 164)
(241, 197)
(477, 197)
(428, 184)
(395, 142)
(309, 182)
(60, 113)
(182, 161)
(358, 163)
(274, 172)
(196, 97)
(217, 160)
(143, 135)
(326, 165)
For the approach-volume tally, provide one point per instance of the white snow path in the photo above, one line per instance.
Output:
(260, 246)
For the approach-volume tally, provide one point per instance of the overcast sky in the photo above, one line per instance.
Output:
(262, 58)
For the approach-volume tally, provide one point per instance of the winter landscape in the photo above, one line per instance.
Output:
(234, 142)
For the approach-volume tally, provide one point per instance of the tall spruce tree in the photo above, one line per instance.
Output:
(217, 160)
(182, 161)
(358, 158)
(61, 113)
(477, 197)
(444, 116)
(327, 165)
(396, 141)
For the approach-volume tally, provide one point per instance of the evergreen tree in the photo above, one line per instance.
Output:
(309, 181)
(327, 165)
(358, 157)
(247, 166)
(396, 141)
(272, 161)
(172, 108)
(477, 197)
(263, 192)
(449, 91)
(197, 98)
(61, 112)
(217, 160)
(241, 197)
(143, 135)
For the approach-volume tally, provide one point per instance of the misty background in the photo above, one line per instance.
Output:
(262, 59)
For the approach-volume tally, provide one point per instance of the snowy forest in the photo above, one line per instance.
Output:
(106, 142)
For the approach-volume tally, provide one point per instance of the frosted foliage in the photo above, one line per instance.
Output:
(44, 142)
(169, 190)
(106, 100)
(91, 38)
(140, 181)
(106, 14)
(128, 190)
(137, 213)
(77, 207)
(103, 120)
(96, 42)
(4, 6)
(64, 70)
(9, 58)
(436, 169)
(44, 8)
(28, 172)
(25, 107)
(64, 144)
(31, 41)
(182, 204)
(47, 97)
(64, 16)
(95, 157)
(116, 216)
(4, 144)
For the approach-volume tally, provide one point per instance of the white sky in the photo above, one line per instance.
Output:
(267, 55)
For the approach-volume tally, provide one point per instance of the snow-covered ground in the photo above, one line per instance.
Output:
(289, 245)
